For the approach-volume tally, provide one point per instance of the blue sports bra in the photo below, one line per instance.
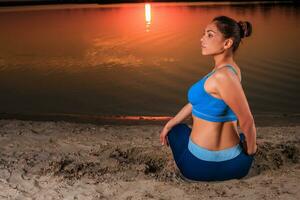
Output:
(206, 106)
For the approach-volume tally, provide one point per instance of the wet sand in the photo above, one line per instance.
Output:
(64, 160)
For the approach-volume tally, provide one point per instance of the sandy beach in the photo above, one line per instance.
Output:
(65, 160)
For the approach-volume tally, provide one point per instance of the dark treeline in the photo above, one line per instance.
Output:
(41, 2)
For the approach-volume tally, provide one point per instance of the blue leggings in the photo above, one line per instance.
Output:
(193, 168)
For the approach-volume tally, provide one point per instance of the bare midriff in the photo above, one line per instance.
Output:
(214, 136)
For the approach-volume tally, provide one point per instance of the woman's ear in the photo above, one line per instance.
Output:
(228, 43)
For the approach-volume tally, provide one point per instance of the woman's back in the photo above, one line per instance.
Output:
(211, 133)
(214, 135)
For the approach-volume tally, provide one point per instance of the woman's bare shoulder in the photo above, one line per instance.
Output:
(227, 72)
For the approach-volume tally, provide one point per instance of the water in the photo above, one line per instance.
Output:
(132, 59)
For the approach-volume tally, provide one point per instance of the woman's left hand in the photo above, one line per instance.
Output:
(163, 136)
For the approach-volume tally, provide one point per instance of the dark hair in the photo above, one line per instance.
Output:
(233, 29)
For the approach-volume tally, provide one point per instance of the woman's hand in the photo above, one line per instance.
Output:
(163, 135)
(253, 152)
(248, 151)
(179, 117)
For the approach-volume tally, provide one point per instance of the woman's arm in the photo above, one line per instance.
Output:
(181, 115)
(248, 126)
(231, 91)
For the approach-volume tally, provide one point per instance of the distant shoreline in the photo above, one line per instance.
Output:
(261, 120)
(34, 6)
(53, 2)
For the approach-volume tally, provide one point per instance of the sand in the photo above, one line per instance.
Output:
(64, 160)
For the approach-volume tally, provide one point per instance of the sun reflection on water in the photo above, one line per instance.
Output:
(148, 16)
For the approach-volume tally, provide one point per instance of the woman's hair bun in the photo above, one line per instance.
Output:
(245, 28)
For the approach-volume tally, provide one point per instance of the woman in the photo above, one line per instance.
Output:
(213, 150)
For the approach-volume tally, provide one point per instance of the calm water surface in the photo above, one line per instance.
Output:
(138, 59)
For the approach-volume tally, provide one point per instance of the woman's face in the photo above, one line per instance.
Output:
(212, 41)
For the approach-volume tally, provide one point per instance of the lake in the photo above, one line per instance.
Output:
(139, 59)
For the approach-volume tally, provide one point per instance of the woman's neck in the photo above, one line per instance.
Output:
(222, 59)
